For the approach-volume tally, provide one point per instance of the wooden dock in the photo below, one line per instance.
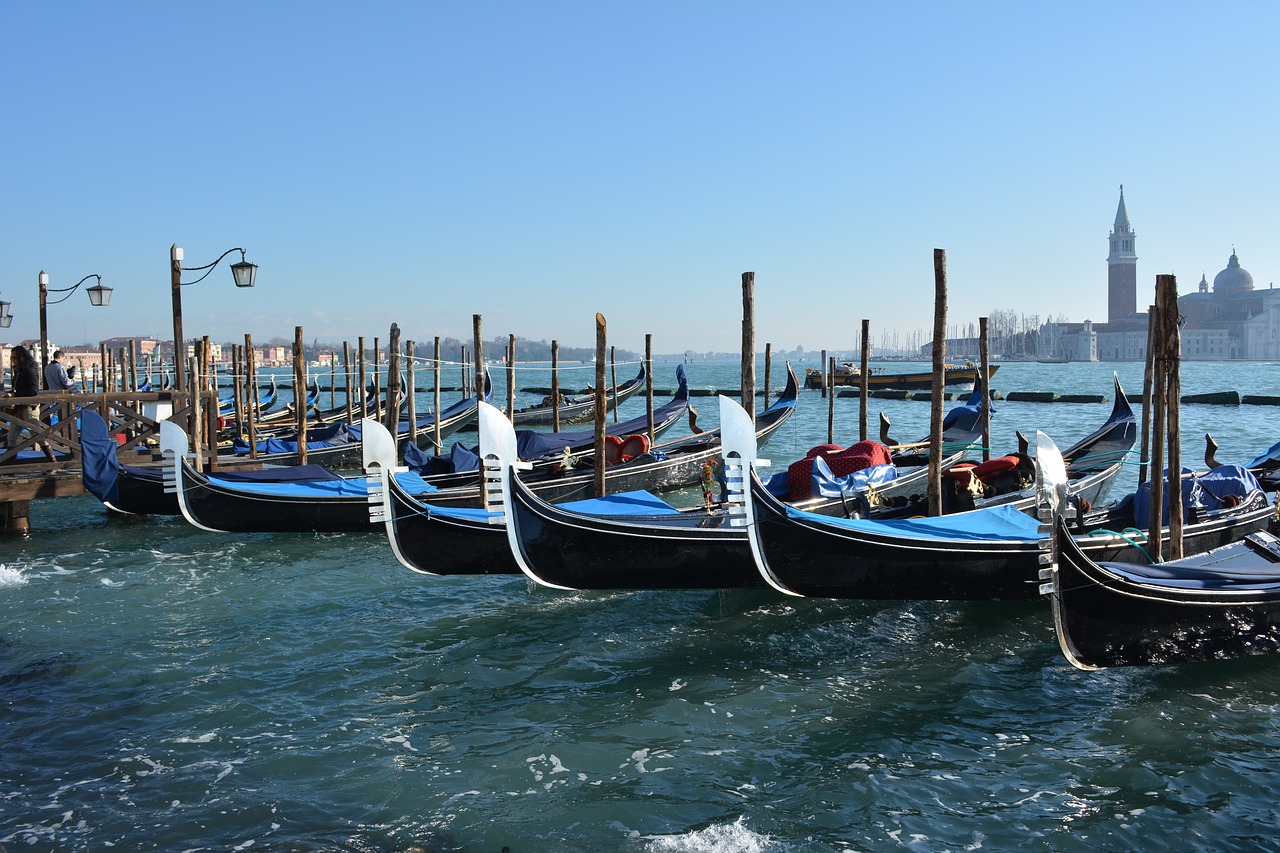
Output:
(45, 461)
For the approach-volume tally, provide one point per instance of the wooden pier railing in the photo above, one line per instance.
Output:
(51, 468)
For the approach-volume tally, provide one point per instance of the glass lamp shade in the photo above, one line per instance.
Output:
(244, 273)
(99, 294)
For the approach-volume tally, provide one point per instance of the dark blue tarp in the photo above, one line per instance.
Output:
(1203, 492)
(100, 467)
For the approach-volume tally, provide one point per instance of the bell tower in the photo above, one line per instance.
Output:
(1122, 267)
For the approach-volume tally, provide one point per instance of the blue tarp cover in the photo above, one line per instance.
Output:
(98, 457)
(1001, 524)
(1203, 492)
(623, 503)
(339, 487)
(1248, 574)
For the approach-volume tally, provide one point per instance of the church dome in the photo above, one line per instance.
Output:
(1234, 279)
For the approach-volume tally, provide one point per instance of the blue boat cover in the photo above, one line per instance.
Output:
(100, 467)
(622, 503)
(993, 524)
(1253, 571)
(337, 487)
(1204, 492)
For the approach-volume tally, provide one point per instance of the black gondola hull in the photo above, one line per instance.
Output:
(578, 551)
(438, 544)
(1104, 618)
(827, 561)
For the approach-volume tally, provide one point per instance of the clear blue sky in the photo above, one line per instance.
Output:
(537, 162)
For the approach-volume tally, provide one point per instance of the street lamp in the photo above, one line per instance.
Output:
(6, 319)
(99, 295)
(242, 271)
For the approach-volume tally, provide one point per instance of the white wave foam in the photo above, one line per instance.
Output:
(11, 577)
(724, 838)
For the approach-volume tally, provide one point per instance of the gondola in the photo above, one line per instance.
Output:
(294, 499)
(986, 554)
(130, 489)
(631, 540)
(1221, 604)
(286, 499)
(579, 408)
(652, 546)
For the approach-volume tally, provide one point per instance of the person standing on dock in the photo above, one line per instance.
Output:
(55, 375)
(25, 375)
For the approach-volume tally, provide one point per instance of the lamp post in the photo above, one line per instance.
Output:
(99, 295)
(6, 319)
(242, 271)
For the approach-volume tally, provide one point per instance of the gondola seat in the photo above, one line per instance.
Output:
(841, 460)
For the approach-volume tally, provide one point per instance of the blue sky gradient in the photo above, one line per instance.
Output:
(420, 162)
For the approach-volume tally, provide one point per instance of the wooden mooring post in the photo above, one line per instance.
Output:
(939, 379)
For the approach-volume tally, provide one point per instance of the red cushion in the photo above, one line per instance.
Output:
(842, 461)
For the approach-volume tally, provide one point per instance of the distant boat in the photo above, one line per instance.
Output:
(1053, 359)
(850, 374)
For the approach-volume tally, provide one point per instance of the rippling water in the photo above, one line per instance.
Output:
(170, 689)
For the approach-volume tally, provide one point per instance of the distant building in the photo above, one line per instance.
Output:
(1231, 321)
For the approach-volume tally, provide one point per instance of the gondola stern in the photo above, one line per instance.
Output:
(738, 447)
(498, 460)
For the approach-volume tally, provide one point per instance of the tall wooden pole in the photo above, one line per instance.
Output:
(436, 438)
(364, 398)
(864, 380)
(300, 394)
(251, 390)
(613, 372)
(179, 344)
(984, 357)
(600, 404)
(393, 381)
(1148, 376)
(377, 383)
(555, 386)
(939, 379)
(749, 343)
(412, 392)
(1159, 407)
(346, 377)
(825, 379)
(768, 375)
(648, 387)
(479, 356)
(831, 401)
(511, 378)
(1167, 291)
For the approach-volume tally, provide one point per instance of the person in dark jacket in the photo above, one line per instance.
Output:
(24, 373)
